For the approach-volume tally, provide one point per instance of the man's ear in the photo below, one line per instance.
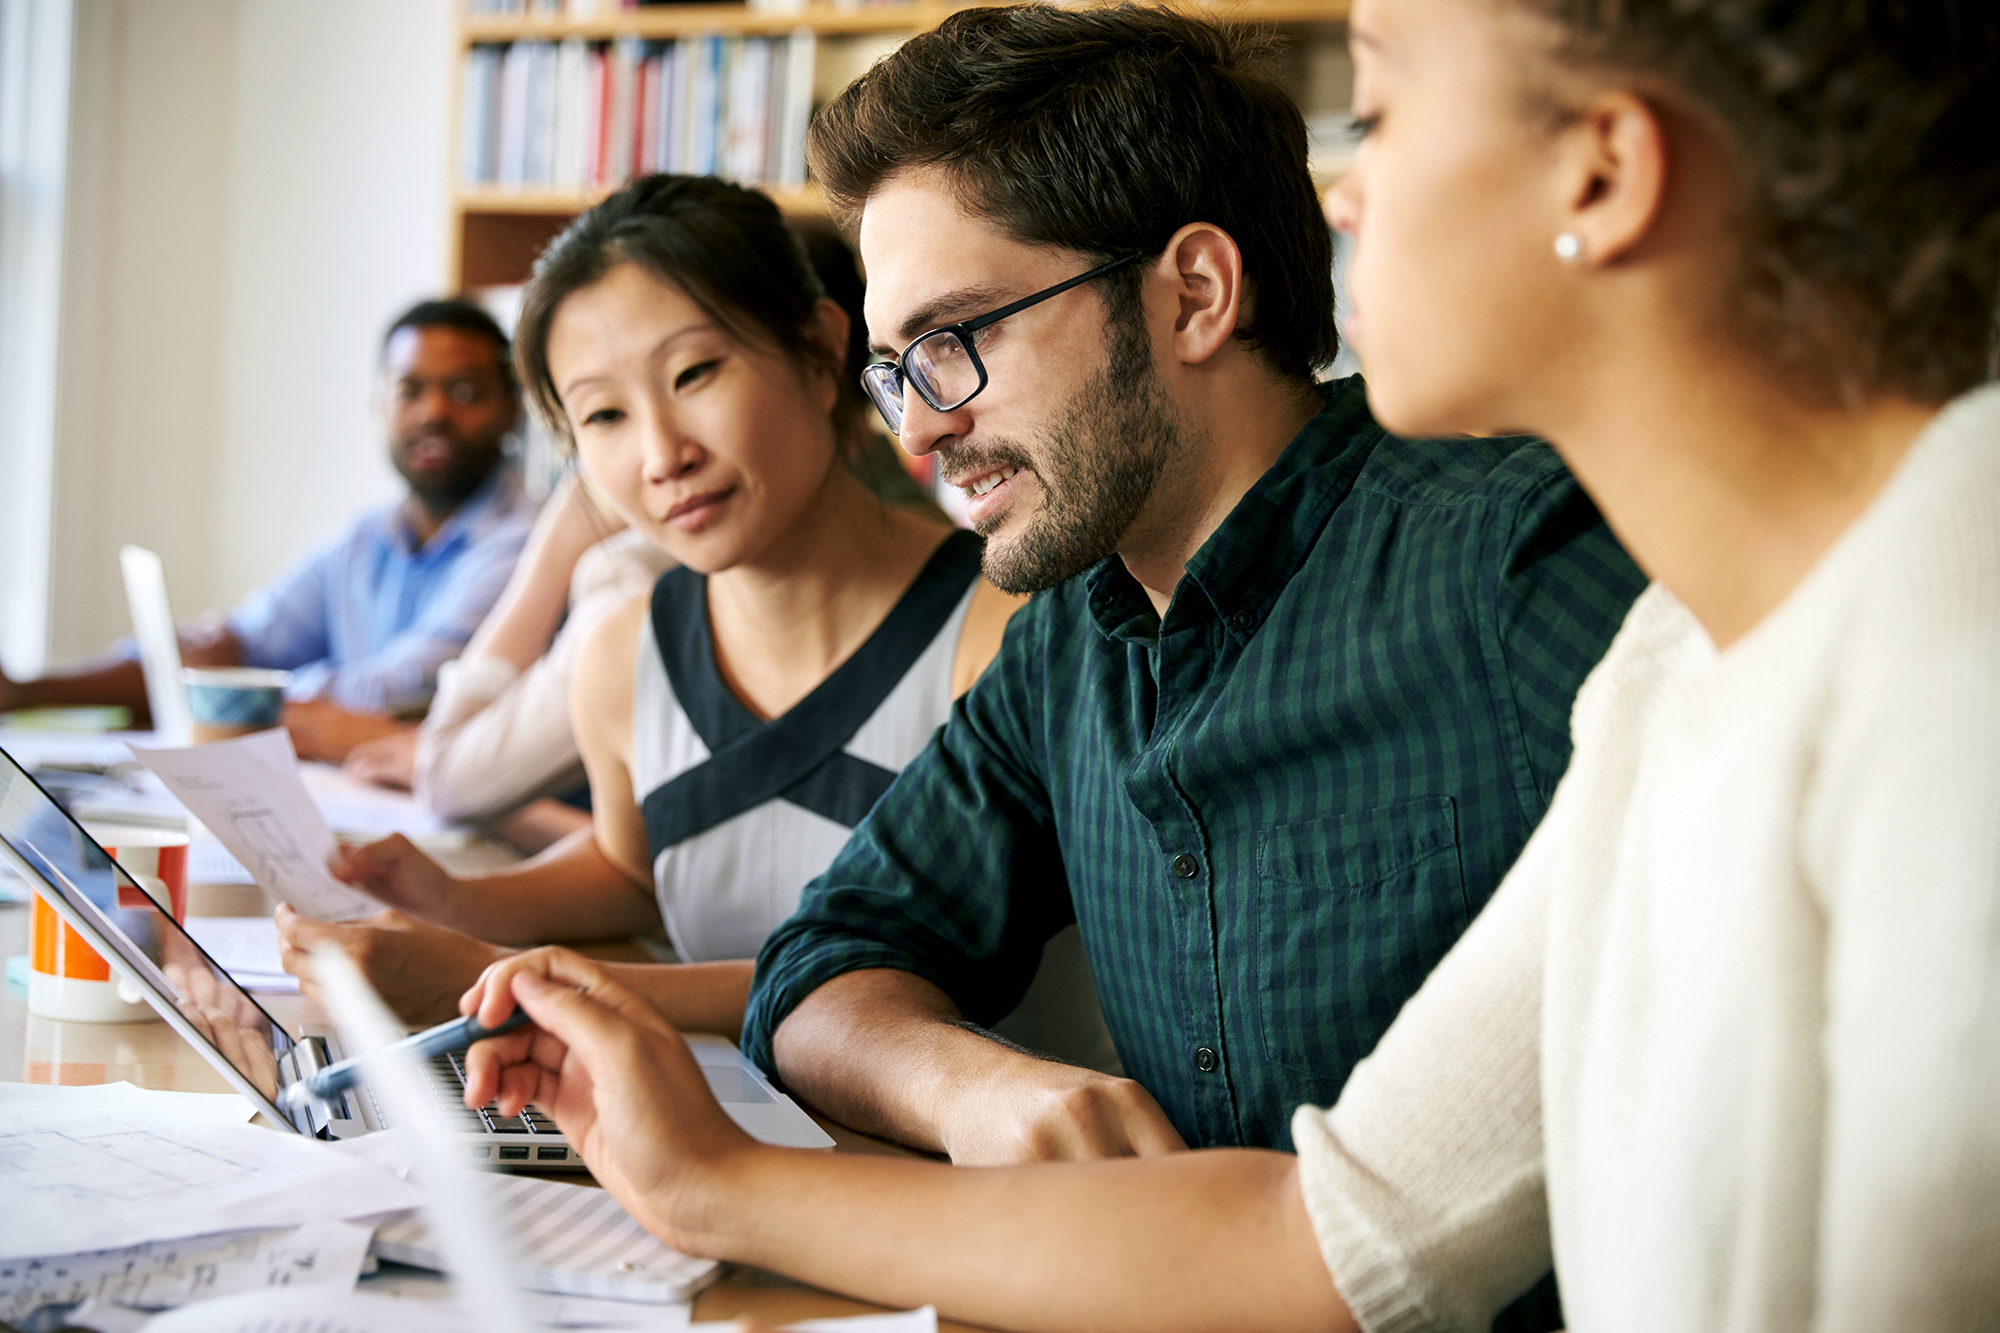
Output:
(1203, 271)
(1612, 177)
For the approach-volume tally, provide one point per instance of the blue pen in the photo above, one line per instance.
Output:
(456, 1035)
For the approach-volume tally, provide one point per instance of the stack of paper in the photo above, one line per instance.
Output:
(155, 1199)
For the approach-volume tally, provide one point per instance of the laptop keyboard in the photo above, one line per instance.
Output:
(447, 1083)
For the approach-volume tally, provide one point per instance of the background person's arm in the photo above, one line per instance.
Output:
(497, 736)
(116, 677)
(525, 618)
(402, 673)
(573, 891)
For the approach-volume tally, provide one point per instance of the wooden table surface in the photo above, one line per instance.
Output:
(152, 1055)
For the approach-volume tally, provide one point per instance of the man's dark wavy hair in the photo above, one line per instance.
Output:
(1866, 129)
(1103, 131)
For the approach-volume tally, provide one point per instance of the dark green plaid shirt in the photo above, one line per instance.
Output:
(1270, 812)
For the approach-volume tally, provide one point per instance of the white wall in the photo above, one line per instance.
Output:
(35, 44)
(256, 188)
(338, 221)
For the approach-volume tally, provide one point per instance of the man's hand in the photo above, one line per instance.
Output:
(207, 641)
(1032, 1110)
(327, 732)
(396, 871)
(620, 1083)
(419, 969)
(886, 1052)
(388, 761)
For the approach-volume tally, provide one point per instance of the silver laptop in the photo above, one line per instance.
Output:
(250, 1049)
(159, 641)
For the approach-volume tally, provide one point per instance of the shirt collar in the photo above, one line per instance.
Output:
(1243, 567)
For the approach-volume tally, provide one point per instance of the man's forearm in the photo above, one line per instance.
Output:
(884, 1052)
(110, 681)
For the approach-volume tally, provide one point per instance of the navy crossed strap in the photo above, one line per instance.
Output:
(797, 757)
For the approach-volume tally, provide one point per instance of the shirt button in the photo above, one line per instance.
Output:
(1243, 620)
(1204, 1060)
(1186, 866)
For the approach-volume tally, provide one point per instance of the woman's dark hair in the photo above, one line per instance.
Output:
(1103, 131)
(727, 247)
(1865, 129)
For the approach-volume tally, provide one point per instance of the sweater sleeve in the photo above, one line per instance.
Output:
(496, 738)
(1902, 841)
(1425, 1182)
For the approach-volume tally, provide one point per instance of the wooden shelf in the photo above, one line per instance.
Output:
(828, 20)
(494, 199)
(496, 232)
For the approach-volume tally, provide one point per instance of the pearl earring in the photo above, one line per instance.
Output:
(1569, 247)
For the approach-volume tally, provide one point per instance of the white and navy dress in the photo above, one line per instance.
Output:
(742, 813)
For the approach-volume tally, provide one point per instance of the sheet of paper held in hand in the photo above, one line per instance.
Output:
(249, 795)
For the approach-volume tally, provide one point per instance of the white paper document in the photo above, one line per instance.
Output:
(248, 793)
(122, 1099)
(247, 949)
(359, 809)
(90, 1182)
(313, 1312)
(162, 1274)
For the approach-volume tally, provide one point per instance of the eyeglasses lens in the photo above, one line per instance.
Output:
(884, 385)
(944, 370)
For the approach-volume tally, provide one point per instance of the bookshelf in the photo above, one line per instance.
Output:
(506, 203)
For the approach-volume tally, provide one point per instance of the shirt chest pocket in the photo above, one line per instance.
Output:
(1352, 913)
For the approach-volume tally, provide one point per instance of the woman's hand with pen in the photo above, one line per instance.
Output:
(620, 1084)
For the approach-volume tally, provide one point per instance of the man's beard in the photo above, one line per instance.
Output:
(1097, 471)
(443, 492)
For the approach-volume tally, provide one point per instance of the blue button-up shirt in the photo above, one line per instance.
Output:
(366, 618)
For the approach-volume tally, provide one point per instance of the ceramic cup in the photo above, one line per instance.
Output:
(67, 979)
(234, 701)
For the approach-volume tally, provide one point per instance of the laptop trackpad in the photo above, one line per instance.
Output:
(730, 1084)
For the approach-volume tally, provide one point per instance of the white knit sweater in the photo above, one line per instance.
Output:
(1727, 1040)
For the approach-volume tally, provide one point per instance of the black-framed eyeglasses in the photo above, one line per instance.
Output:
(942, 363)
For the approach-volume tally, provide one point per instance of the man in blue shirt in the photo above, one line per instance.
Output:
(365, 619)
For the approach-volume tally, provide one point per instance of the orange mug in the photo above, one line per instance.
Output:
(67, 979)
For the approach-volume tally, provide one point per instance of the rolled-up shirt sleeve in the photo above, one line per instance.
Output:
(286, 623)
(1425, 1182)
(402, 673)
(367, 618)
(949, 877)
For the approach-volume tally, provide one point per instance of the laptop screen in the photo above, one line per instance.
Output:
(65, 858)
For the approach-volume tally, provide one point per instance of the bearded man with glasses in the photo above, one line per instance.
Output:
(1294, 692)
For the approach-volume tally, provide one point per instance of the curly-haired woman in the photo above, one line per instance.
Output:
(1726, 1044)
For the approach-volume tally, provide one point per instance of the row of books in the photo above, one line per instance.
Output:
(577, 115)
(576, 9)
